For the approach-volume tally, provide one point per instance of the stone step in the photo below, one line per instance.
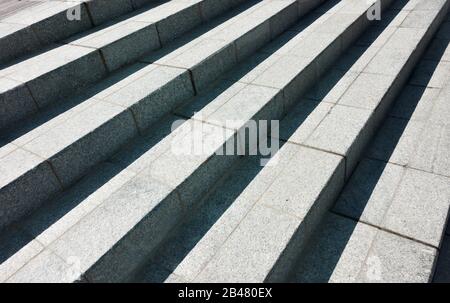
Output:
(234, 102)
(262, 226)
(99, 127)
(63, 145)
(180, 180)
(40, 23)
(389, 222)
(61, 71)
(354, 252)
(176, 183)
(66, 144)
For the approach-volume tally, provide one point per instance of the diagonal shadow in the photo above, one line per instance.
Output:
(318, 262)
(83, 93)
(56, 44)
(199, 229)
(18, 236)
(14, 238)
(188, 235)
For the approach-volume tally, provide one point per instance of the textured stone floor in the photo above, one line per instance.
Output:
(116, 131)
(9, 7)
(393, 211)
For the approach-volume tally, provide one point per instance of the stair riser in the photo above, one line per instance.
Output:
(273, 110)
(293, 92)
(101, 11)
(27, 193)
(130, 48)
(16, 104)
(131, 221)
(176, 25)
(384, 105)
(226, 58)
(283, 268)
(69, 79)
(77, 159)
(125, 259)
(33, 37)
(57, 27)
(150, 233)
(64, 81)
(286, 258)
(317, 69)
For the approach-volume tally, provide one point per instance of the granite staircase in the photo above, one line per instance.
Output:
(116, 128)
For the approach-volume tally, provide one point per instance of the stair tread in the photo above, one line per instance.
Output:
(346, 251)
(89, 57)
(383, 204)
(187, 171)
(222, 227)
(48, 21)
(131, 198)
(231, 262)
(136, 95)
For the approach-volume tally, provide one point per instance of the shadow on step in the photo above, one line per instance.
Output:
(190, 234)
(70, 201)
(28, 128)
(187, 238)
(10, 7)
(318, 263)
(75, 36)
(54, 218)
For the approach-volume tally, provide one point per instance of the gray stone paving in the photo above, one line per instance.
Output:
(346, 251)
(136, 104)
(403, 177)
(92, 175)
